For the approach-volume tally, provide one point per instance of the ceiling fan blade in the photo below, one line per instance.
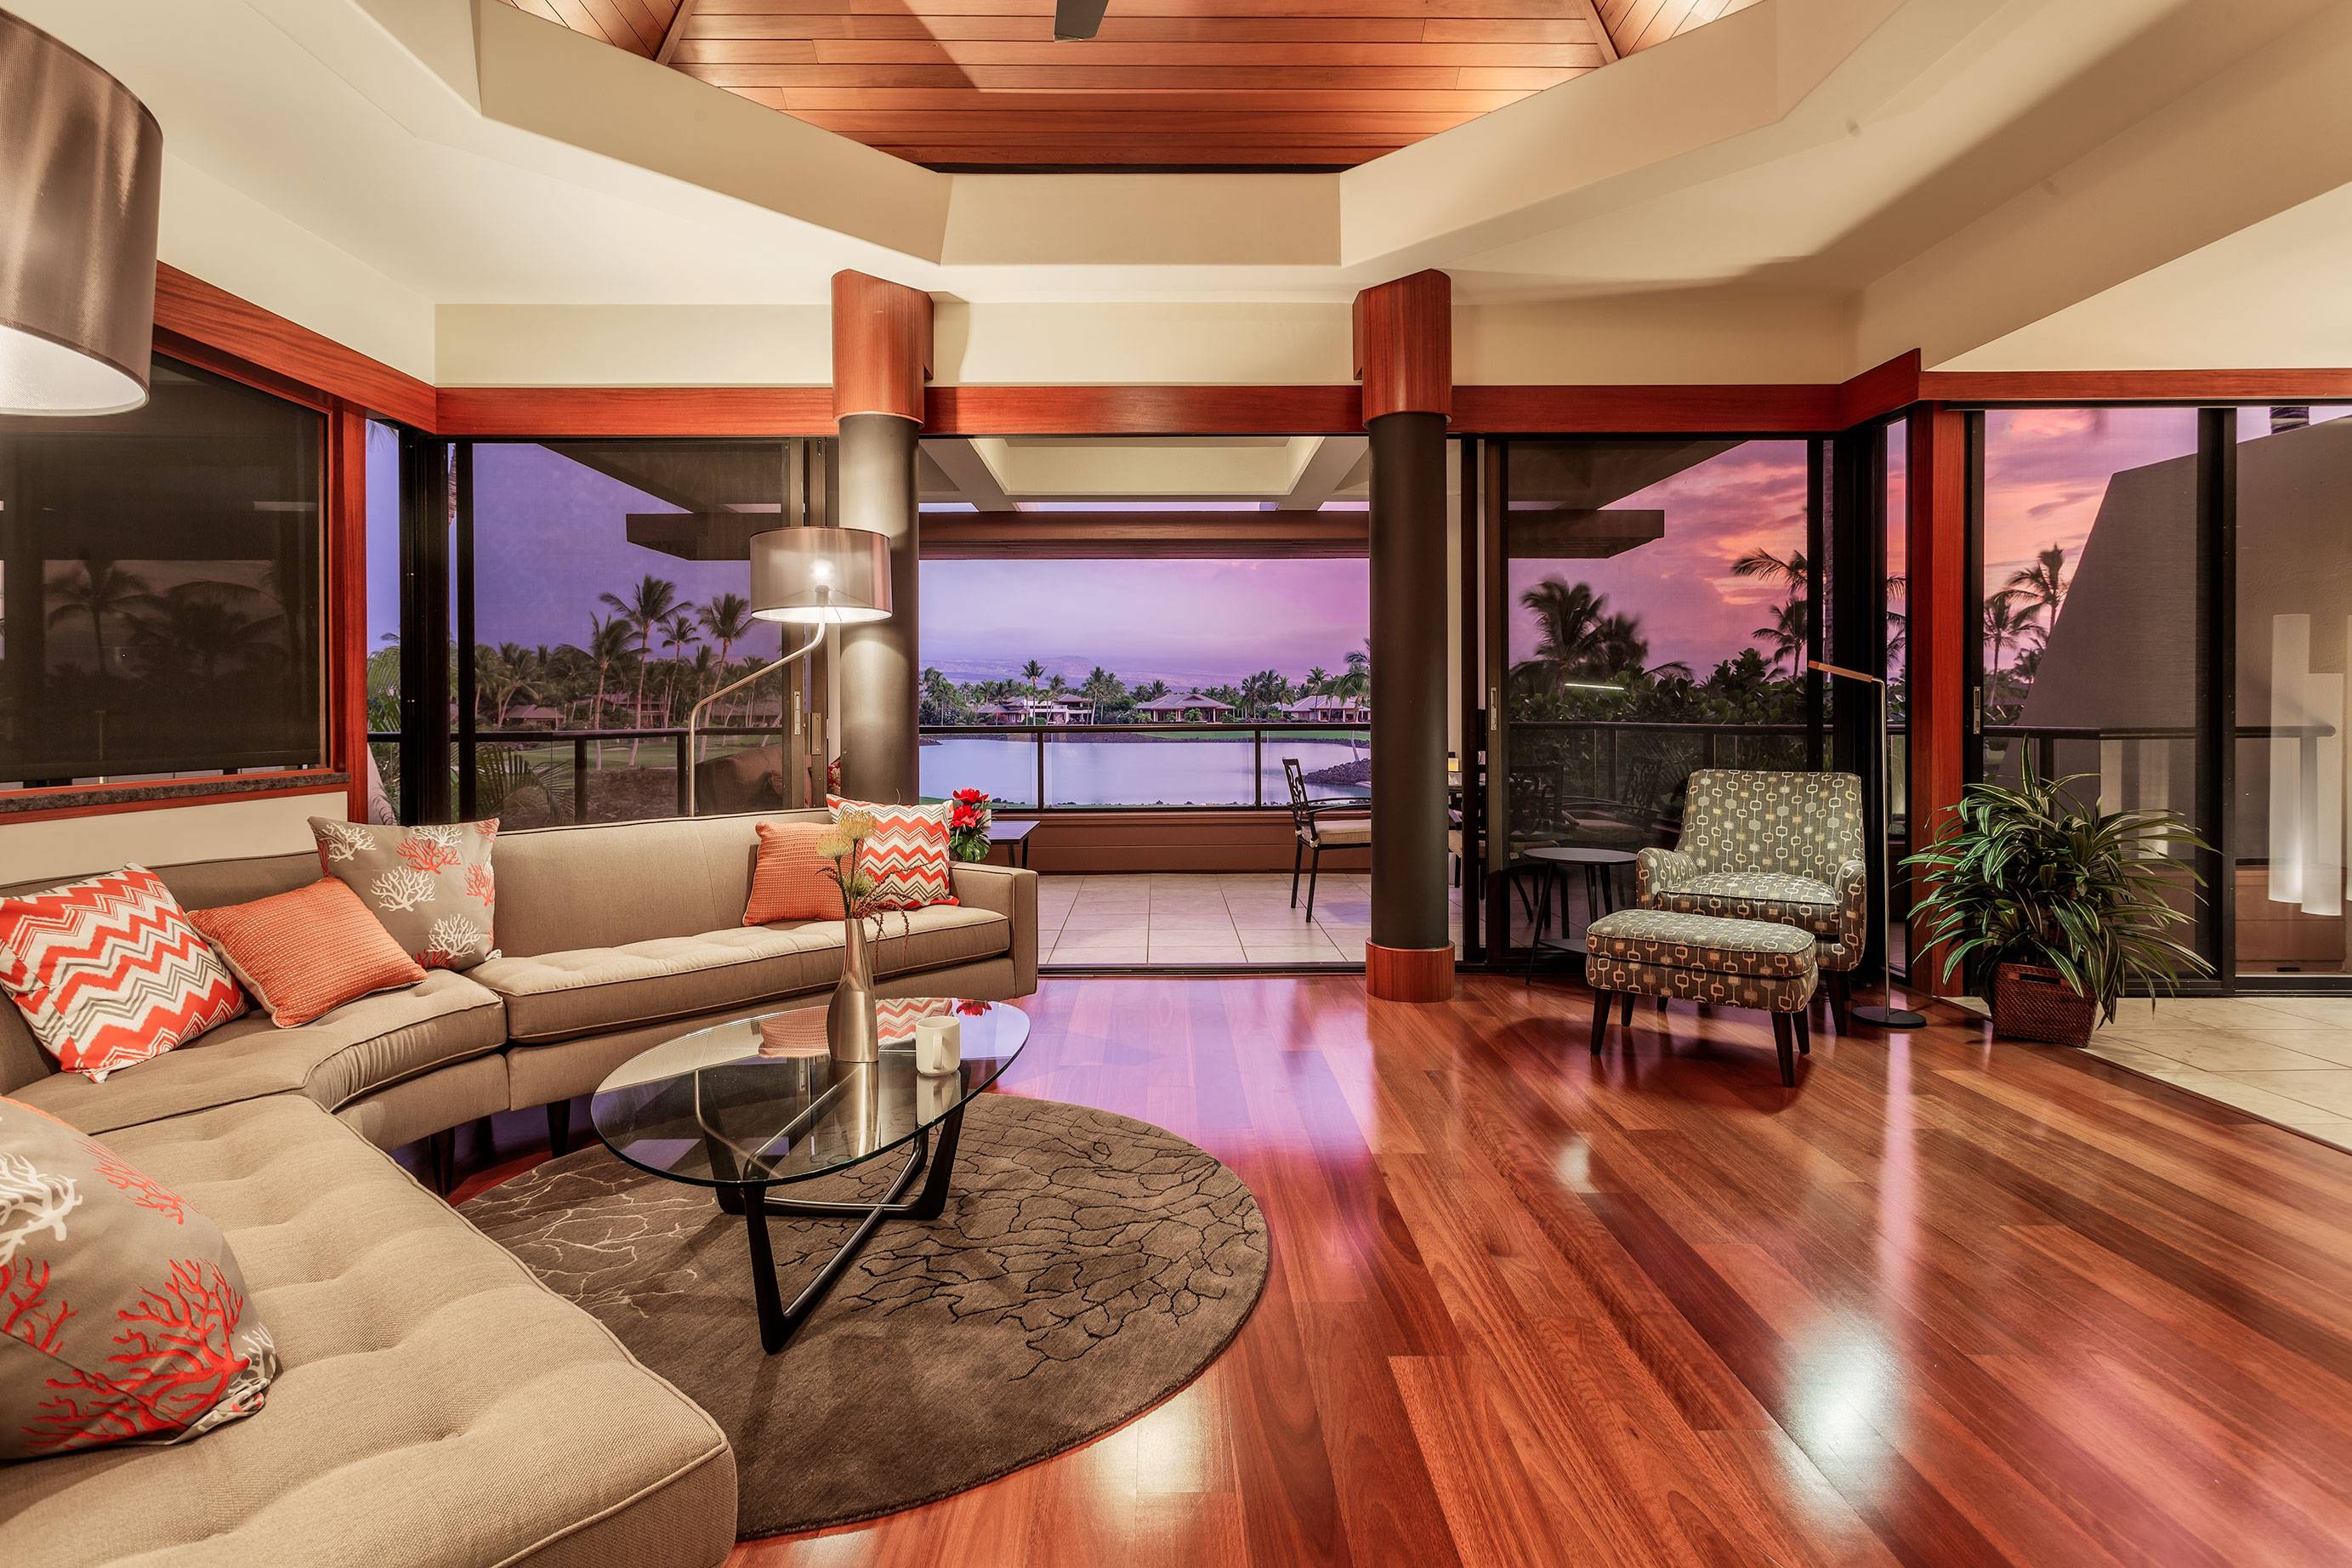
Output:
(1075, 20)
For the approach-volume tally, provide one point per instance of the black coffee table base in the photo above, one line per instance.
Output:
(779, 1322)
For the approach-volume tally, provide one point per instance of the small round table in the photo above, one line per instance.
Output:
(1599, 868)
(757, 1104)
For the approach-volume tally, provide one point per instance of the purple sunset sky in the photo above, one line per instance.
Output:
(549, 540)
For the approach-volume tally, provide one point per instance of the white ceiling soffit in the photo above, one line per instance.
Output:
(476, 154)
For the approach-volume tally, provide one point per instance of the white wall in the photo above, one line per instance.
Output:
(232, 241)
(70, 845)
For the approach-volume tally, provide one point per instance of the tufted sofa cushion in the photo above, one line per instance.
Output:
(355, 1049)
(432, 1405)
(561, 996)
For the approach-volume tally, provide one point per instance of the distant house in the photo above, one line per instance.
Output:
(1173, 710)
(1329, 709)
(1020, 710)
(523, 715)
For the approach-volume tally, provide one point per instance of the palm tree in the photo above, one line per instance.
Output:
(1031, 672)
(941, 704)
(97, 590)
(1787, 636)
(2004, 624)
(2043, 585)
(728, 619)
(608, 643)
(678, 631)
(1357, 681)
(502, 674)
(1788, 572)
(645, 609)
(190, 630)
(1317, 678)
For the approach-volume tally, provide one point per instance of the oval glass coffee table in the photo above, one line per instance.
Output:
(747, 1106)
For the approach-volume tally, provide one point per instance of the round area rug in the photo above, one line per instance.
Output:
(1087, 1265)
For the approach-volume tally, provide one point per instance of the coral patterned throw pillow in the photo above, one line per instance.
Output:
(431, 887)
(123, 1316)
(108, 972)
(907, 855)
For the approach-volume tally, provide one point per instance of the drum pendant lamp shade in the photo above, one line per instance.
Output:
(819, 576)
(82, 172)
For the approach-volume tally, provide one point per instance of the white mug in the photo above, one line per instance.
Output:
(938, 1046)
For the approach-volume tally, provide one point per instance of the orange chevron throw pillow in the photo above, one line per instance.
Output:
(308, 952)
(109, 972)
(907, 855)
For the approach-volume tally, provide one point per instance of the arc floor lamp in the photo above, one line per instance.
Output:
(1887, 1015)
(819, 577)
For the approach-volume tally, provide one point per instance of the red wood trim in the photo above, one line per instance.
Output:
(1408, 974)
(1793, 410)
(1939, 595)
(320, 780)
(1404, 345)
(346, 651)
(193, 309)
(2137, 386)
(1880, 390)
(602, 410)
(1143, 411)
(881, 347)
(1145, 536)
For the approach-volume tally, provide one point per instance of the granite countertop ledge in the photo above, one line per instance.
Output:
(19, 801)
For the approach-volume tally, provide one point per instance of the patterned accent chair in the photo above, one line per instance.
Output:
(1781, 846)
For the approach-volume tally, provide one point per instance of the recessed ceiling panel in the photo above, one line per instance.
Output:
(1164, 84)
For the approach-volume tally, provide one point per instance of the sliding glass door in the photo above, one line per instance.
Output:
(1658, 600)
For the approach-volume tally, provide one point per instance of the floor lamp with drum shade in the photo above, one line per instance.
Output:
(1885, 1016)
(818, 577)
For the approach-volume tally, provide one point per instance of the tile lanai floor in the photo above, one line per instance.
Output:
(2286, 1058)
(1202, 918)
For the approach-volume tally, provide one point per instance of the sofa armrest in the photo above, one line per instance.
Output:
(1659, 871)
(1010, 891)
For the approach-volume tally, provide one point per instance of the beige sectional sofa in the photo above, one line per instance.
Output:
(438, 1406)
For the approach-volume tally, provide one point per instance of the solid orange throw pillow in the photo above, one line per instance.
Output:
(308, 952)
(789, 880)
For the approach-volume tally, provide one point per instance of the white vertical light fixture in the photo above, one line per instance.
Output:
(2307, 801)
(82, 174)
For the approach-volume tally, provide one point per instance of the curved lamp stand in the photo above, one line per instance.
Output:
(1885, 1016)
(693, 716)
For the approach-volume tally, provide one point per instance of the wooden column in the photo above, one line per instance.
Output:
(1940, 600)
(881, 360)
(1405, 357)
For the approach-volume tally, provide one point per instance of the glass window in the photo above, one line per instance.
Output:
(2090, 620)
(1147, 681)
(2294, 634)
(610, 584)
(1660, 605)
(160, 587)
(383, 620)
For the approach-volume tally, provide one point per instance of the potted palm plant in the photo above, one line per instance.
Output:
(2057, 910)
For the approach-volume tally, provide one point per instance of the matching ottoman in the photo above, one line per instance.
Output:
(1702, 958)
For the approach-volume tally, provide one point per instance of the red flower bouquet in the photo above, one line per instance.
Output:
(968, 820)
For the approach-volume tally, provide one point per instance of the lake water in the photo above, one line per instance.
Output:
(1133, 770)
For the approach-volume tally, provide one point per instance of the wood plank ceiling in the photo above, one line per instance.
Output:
(1167, 84)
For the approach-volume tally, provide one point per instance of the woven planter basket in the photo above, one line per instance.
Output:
(2030, 1002)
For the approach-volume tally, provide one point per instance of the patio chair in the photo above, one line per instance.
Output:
(1316, 826)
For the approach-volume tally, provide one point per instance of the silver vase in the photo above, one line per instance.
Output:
(851, 1034)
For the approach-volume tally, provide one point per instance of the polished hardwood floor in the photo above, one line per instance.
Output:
(1947, 1302)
